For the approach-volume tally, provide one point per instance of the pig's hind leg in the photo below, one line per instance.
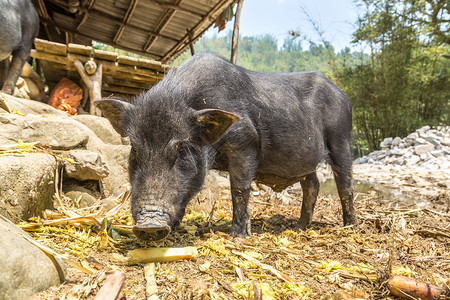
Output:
(341, 164)
(310, 188)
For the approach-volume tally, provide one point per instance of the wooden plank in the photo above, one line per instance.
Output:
(121, 89)
(50, 47)
(127, 83)
(80, 49)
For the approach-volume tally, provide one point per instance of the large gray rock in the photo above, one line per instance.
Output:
(58, 133)
(101, 127)
(27, 185)
(87, 165)
(26, 270)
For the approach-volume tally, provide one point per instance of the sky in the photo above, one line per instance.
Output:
(337, 19)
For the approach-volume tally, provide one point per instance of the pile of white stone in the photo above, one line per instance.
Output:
(428, 148)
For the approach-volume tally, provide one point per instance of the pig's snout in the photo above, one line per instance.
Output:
(151, 233)
(152, 225)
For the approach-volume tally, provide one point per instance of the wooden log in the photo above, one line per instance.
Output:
(121, 67)
(49, 57)
(143, 63)
(112, 288)
(94, 84)
(50, 47)
(80, 49)
(142, 75)
(105, 55)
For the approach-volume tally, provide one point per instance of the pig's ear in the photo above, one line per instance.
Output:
(113, 109)
(214, 123)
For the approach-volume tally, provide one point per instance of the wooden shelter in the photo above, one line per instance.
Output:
(158, 29)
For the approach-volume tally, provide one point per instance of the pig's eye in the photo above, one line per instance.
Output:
(182, 151)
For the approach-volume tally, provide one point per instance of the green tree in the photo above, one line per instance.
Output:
(404, 83)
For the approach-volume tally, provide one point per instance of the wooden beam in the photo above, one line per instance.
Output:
(176, 6)
(184, 41)
(168, 15)
(85, 17)
(125, 21)
(94, 84)
(235, 40)
(88, 36)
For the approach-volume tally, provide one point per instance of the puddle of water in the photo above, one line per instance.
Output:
(394, 197)
(328, 187)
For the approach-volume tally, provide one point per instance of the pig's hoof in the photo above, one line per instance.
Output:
(240, 232)
(303, 226)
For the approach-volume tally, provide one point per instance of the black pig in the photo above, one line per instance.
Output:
(208, 113)
(19, 25)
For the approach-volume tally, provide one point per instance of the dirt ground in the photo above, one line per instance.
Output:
(403, 229)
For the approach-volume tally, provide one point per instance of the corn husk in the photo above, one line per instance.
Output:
(149, 255)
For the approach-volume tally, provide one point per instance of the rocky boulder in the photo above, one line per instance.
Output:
(26, 270)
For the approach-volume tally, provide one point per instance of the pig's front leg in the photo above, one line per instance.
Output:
(242, 165)
(241, 176)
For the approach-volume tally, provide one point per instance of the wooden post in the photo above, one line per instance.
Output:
(234, 43)
(191, 42)
(94, 84)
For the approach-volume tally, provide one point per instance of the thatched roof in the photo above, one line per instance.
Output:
(159, 29)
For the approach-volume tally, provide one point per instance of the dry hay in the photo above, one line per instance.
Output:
(277, 262)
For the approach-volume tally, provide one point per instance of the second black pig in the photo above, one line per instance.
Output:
(208, 113)
(19, 25)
